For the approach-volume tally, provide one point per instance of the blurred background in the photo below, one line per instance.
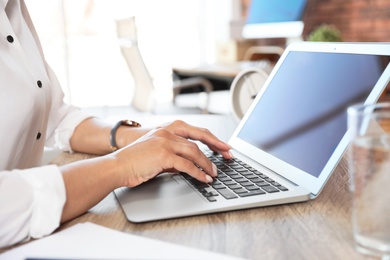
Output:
(80, 42)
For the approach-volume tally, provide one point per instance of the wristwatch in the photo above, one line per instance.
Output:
(124, 122)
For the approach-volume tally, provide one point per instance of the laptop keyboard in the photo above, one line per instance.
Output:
(235, 179)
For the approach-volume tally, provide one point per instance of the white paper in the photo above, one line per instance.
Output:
(91, 241)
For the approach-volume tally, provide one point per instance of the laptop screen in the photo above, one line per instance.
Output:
(301, 116)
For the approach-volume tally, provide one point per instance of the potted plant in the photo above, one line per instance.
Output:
(325, 33)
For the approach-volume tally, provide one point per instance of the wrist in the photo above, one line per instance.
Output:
(127, 135)
(118, 140)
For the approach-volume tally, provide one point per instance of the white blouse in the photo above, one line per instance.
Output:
(33, 115)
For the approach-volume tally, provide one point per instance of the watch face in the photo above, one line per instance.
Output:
(244, 90)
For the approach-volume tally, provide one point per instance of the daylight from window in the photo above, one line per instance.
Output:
(80, 44)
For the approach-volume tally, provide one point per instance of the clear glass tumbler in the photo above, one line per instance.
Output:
(369, 168)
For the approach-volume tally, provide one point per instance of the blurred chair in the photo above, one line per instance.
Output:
(272, 53)
(144, 93)
(263, 57)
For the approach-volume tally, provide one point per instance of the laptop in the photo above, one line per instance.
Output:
(289, 141)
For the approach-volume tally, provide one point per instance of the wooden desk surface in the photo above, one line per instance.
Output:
(317, 229)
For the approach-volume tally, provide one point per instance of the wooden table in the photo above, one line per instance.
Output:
(318, 229)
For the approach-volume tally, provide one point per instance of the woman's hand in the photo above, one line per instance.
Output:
(167, 148)
(187, 131)
(145, 154)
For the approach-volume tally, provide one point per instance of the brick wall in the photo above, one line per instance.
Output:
(357, 20)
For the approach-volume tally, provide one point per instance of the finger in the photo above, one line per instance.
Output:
(191, 151)
(226, 154)
(186, 149)
(181, 164)
(201, 134)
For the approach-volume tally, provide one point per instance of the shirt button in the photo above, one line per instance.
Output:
(39, 83)
(39, 135)
(10, 39)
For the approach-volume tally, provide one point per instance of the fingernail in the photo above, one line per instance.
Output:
(209, 179)
(231, 155)
(215, 170)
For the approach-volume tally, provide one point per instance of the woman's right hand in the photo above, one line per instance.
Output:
(161, 150)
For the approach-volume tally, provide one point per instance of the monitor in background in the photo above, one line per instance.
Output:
(274, 19)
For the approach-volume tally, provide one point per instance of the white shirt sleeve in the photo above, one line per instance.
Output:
(33, 114)
(31, 203)
(63, 118)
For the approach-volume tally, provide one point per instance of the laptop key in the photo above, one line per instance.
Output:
(221, 174)
(225, 169)
(206, 193)
(240, 191)
(231, 163)
(251, 176)
(262, 184)
(227, 194)
(246, 183)
(268, 179)
(270, 189)
(223, 179)
(241, 180)
(214, 193)
(252, 193)
(261, 175)
(257, 180)
(215, 181)
(211, 199)
(282, 188)
(245, 165)
(246, 173)
(229, 182)
(228, 171)
(235, 186)
(219, 186)
(253, 187)
(198, 184)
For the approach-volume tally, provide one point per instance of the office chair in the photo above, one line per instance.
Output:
(272, 53)
(143, 98)
(265, 56)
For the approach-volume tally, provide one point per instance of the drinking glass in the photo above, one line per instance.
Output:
(369, 168)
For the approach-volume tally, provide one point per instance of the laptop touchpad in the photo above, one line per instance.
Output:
(162, 186)
(166, 195)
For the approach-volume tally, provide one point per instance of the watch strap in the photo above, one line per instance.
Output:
(114, 129)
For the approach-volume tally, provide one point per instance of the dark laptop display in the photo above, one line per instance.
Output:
(301, 117)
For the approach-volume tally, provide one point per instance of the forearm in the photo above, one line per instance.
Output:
(87, 182)
(93, 136)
